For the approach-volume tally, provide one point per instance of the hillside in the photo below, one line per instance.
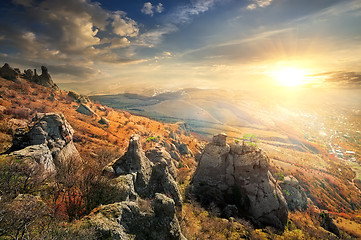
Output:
(328, 181)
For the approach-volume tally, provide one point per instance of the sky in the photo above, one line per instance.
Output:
(111, 46)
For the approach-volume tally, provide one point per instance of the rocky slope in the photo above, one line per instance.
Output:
(48, 142)
(236, 178)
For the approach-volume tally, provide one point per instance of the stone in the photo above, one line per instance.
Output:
(44, 79)
(40, 153)
(328, 224)
(183, 149)
(78, 98)
(294, 194)
(149, 178)
(103, 121)
(48, 140)
(155, 155)
(8, 73)
(126, 220)
(86, 110)
(239, 175)
(220, 139)
(28, 74)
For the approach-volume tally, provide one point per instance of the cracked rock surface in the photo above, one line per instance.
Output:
(238, 174)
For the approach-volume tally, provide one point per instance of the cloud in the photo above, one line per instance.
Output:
(124, 26)
(155, 36)
(62, 32)
(258, 4)
(149, 9)
(185, 13)
(341, 79)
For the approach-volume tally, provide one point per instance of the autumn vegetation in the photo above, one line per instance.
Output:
(74, 191)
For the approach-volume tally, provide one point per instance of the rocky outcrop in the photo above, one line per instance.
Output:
(328, 224)
(48, 140)
(8, 72)
(78, 98)
(127, 220)
(294, 194)
(148, 177)
(238, 174)
(157, 154)
(44, 79)
(86, 110)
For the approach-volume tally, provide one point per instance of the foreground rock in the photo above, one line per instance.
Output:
(238, 174)
(48, 140)
(148, 178)
(294, 194)
(127, 220)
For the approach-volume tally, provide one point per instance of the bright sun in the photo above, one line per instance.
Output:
(290, 76)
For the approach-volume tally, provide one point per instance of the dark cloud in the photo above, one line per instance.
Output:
(341, 79)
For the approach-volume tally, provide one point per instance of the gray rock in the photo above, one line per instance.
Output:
(161, 181)
(183, 149)
(126, 220)
(220, 139)
(86, 110)
(48, 140)
(239, 174)
(78, 98)
(294, 194)
(158, 153)
(40, 153)
(149, 178)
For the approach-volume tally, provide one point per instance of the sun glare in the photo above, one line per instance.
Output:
(290, 76)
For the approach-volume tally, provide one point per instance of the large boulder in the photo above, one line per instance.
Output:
(8, 72)
(86, 110)
(238, 174)
(48, 140)
(149, 178)
(294, 194)
(78, 98)
(129, 220)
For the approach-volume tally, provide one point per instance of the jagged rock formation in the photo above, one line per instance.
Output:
(148, 177)
(238, 174)
(8, 72)
(86, 110)
(48, 140)
(44, 79)
(78, 98)
(294, 194)
(158, 154)
(126, 220)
